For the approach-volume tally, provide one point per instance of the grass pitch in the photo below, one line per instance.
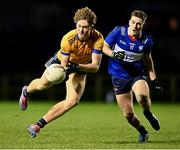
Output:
(87, 126)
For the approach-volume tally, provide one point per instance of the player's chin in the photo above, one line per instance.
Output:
(136, 32)
(81, 37)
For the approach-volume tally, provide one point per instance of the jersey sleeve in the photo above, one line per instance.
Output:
(65, 46)
(149, 46)
(112, 36)
(98, 45)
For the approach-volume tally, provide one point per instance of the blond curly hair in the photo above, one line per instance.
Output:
(85, 14)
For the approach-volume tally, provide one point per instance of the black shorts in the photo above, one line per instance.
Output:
(55, 60)
(121, 86)
(52, 60)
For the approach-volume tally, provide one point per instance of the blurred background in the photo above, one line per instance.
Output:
(30, 33)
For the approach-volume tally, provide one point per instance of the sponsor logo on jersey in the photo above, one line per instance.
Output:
(122, 42)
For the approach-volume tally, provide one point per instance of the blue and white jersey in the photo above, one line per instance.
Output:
(132, 65)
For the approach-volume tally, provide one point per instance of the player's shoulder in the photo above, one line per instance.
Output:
(147, 37)
(70, 36)
(120, 29)
(117, 28)
(95, 34)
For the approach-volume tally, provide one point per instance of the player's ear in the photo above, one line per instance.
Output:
(129, 22)
(76, 25)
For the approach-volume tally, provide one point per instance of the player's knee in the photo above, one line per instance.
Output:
(71, 103)
(129, 116)
(142, 98)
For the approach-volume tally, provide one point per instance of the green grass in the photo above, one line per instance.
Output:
(87, 126)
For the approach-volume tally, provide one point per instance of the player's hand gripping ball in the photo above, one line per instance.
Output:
(55, 73)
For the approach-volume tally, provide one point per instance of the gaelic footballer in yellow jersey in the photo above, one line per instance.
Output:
(80, 52)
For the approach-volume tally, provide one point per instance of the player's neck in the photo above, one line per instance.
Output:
(134, 36)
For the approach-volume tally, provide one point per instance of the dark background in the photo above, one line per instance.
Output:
(30, 31)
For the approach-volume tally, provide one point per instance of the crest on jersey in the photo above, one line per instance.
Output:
(131, 46)
(140, 48)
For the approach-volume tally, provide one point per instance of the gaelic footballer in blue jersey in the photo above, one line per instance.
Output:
(130, 63)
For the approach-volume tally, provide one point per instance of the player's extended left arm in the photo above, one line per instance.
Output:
(152, 74)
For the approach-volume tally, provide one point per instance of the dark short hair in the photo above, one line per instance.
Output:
(140, 14)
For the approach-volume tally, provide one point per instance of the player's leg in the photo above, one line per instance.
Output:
(75, 87)
(125, 102)
(37, 84)
(141, 91)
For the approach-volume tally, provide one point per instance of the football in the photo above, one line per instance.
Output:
(55, 73)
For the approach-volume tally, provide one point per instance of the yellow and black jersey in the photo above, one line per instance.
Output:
(80, 51)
